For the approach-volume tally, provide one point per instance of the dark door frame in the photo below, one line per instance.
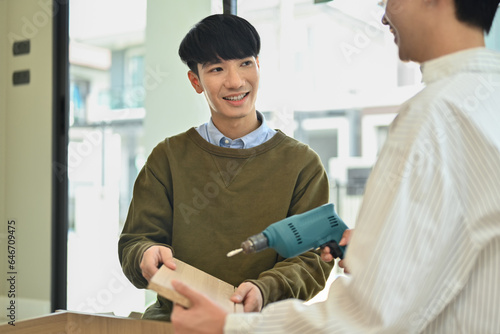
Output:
(60, 122)
(229, 6)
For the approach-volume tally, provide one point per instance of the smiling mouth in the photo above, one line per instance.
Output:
(393, 31)
(236, 97)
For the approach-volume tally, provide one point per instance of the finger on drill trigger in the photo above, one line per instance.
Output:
(346, 237)
(343, 241)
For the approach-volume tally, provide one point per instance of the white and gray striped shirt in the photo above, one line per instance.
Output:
(425, 256)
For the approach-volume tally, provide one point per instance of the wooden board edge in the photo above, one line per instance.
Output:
(170, 294)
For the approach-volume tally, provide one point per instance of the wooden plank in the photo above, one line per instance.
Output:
(214, 288)
(52, 323)
(81, 323)
(238, 308)
(107, 324)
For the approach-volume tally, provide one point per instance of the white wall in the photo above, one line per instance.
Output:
(26, 155)
(172, 105)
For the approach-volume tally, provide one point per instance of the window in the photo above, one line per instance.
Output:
(331, 77)
(493, 38)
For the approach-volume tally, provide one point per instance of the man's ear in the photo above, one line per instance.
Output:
(195, 82)
(257, 60)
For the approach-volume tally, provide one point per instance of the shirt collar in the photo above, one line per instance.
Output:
(470, 60)
(254, 138)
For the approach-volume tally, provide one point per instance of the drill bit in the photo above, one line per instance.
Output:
(234, 252)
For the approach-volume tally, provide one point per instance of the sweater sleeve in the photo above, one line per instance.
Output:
(301, 277)
(149, 220)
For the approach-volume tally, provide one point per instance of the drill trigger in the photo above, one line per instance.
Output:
(334, 249)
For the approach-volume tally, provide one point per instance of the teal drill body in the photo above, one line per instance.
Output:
(300, 233)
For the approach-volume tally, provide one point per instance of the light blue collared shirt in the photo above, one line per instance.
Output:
(263, 133)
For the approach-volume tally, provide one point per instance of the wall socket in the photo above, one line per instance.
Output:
(21, 77)
(21, 47)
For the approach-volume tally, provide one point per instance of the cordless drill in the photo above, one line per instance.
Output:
(297, 234)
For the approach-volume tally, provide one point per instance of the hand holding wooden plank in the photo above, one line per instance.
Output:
(214, 288)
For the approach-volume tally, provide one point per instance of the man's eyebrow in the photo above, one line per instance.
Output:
(211, 62)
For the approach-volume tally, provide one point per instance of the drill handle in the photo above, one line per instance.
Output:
(334, 249)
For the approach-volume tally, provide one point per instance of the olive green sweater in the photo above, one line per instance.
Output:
(203, 201)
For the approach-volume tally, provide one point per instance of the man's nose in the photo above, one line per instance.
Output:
(234, 79)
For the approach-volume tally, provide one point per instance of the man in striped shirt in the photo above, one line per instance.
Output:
(425, 257)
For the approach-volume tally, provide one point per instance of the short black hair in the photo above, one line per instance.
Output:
(478, 13)
(216, 37)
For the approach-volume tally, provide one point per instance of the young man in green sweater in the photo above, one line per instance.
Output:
(204, 191)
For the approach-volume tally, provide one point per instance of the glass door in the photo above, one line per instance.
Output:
(104, 152)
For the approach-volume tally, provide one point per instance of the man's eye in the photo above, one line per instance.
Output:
(216, 69)
(247, 63)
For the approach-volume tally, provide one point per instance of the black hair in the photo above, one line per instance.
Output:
(478, 13)
(219, 36)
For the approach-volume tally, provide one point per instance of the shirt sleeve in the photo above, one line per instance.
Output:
(420, 256)
(149, 221)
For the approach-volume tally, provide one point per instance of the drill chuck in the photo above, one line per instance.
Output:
(255, 243)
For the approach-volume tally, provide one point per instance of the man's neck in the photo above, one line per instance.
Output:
(458, 40)
(448, 35)
(234, 128)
